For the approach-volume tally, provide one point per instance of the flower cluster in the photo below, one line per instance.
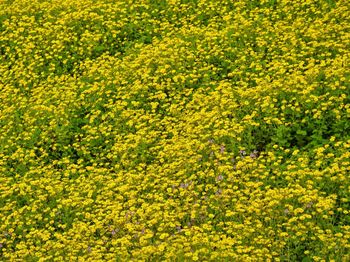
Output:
(205, 130)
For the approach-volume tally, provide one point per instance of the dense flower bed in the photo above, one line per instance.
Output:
(174, 130)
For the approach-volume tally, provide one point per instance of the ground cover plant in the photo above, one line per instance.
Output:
(203, 130)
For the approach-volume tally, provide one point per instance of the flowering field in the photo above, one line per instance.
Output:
(179, 130)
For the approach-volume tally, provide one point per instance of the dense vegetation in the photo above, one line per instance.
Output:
(175, 130)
